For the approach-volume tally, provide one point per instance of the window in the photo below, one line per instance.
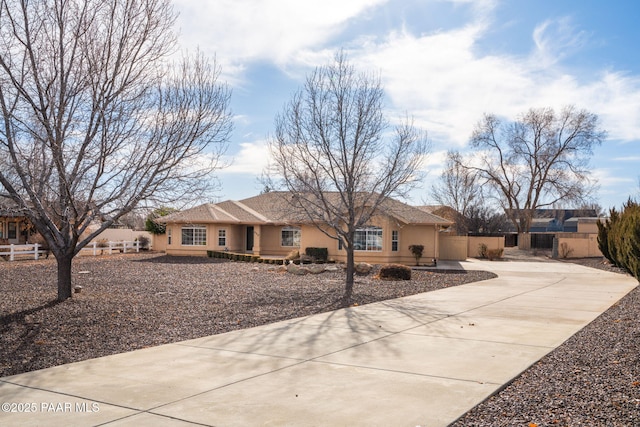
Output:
(194, 235)
(368, 239)
(1, 229)
(222, 237)
(394, 240)
(168, 236)
(290, 236)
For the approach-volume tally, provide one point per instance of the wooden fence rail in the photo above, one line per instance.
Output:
(11, 251)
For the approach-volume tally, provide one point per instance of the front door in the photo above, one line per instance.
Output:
(249, 239)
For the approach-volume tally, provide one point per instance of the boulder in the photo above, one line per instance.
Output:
(363, 268)
(295, 269)
(316, 268)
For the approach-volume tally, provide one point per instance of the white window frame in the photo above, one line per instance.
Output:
(394, 240)
(198, 235)
(169, 229)
(293, 239)
(222, 237)
(368, 239)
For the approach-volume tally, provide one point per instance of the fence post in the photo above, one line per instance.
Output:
(36, 252)
(11, 253)
(124, 246)
(137, 245)
(110, 247)
(95, 245)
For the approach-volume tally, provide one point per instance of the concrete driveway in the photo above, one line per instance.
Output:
(422, 360)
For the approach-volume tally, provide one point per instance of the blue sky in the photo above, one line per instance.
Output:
(444, 62)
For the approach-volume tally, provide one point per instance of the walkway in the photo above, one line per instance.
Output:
(422, 360)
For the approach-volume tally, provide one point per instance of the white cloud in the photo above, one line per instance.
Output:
(252, 158)
(443, 81)
(241, 31)
(627, 159)
(441, 77)
(555, 40)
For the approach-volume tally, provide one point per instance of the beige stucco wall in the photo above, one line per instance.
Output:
(234, 240)
(407, 235)
(159, 242)
(271, 241)
(588, 227)
(492, 243)
(459, 248)
(453, 248)
(122, 234)
(267, 242)
(579, 245)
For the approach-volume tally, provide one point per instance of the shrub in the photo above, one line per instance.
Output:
(606, 236)
(395, 272)
(494, 254)
(417, 250)
(565, 250)
(619, 238)
(143, 241)
(482, 250)
(317, 254)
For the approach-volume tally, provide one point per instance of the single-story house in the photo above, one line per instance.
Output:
(13, 225)
(266, 225)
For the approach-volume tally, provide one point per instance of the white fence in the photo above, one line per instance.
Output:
(36, 250)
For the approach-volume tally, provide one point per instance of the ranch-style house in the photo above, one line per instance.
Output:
(268, 226)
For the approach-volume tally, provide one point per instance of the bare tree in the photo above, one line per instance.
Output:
(458, 188)
(538, 160)
(96, 119)
(332, 150)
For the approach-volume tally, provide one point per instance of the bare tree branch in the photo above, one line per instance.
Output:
(95, 119)
(332, 150)
(539, 160)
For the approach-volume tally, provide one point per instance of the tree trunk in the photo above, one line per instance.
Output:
(348, 287)
(64, 276)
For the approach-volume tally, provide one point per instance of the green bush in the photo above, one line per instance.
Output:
(395, 272)
(317, 254)
(619, 238)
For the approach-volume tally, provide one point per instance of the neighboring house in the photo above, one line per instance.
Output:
(266, 225)
(555, 220)
(13, 226)
(582, 225)
(545, 225)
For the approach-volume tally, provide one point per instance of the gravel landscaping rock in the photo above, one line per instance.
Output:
(132, 301)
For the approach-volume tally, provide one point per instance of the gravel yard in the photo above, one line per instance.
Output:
(134, 301)
(138, 300)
